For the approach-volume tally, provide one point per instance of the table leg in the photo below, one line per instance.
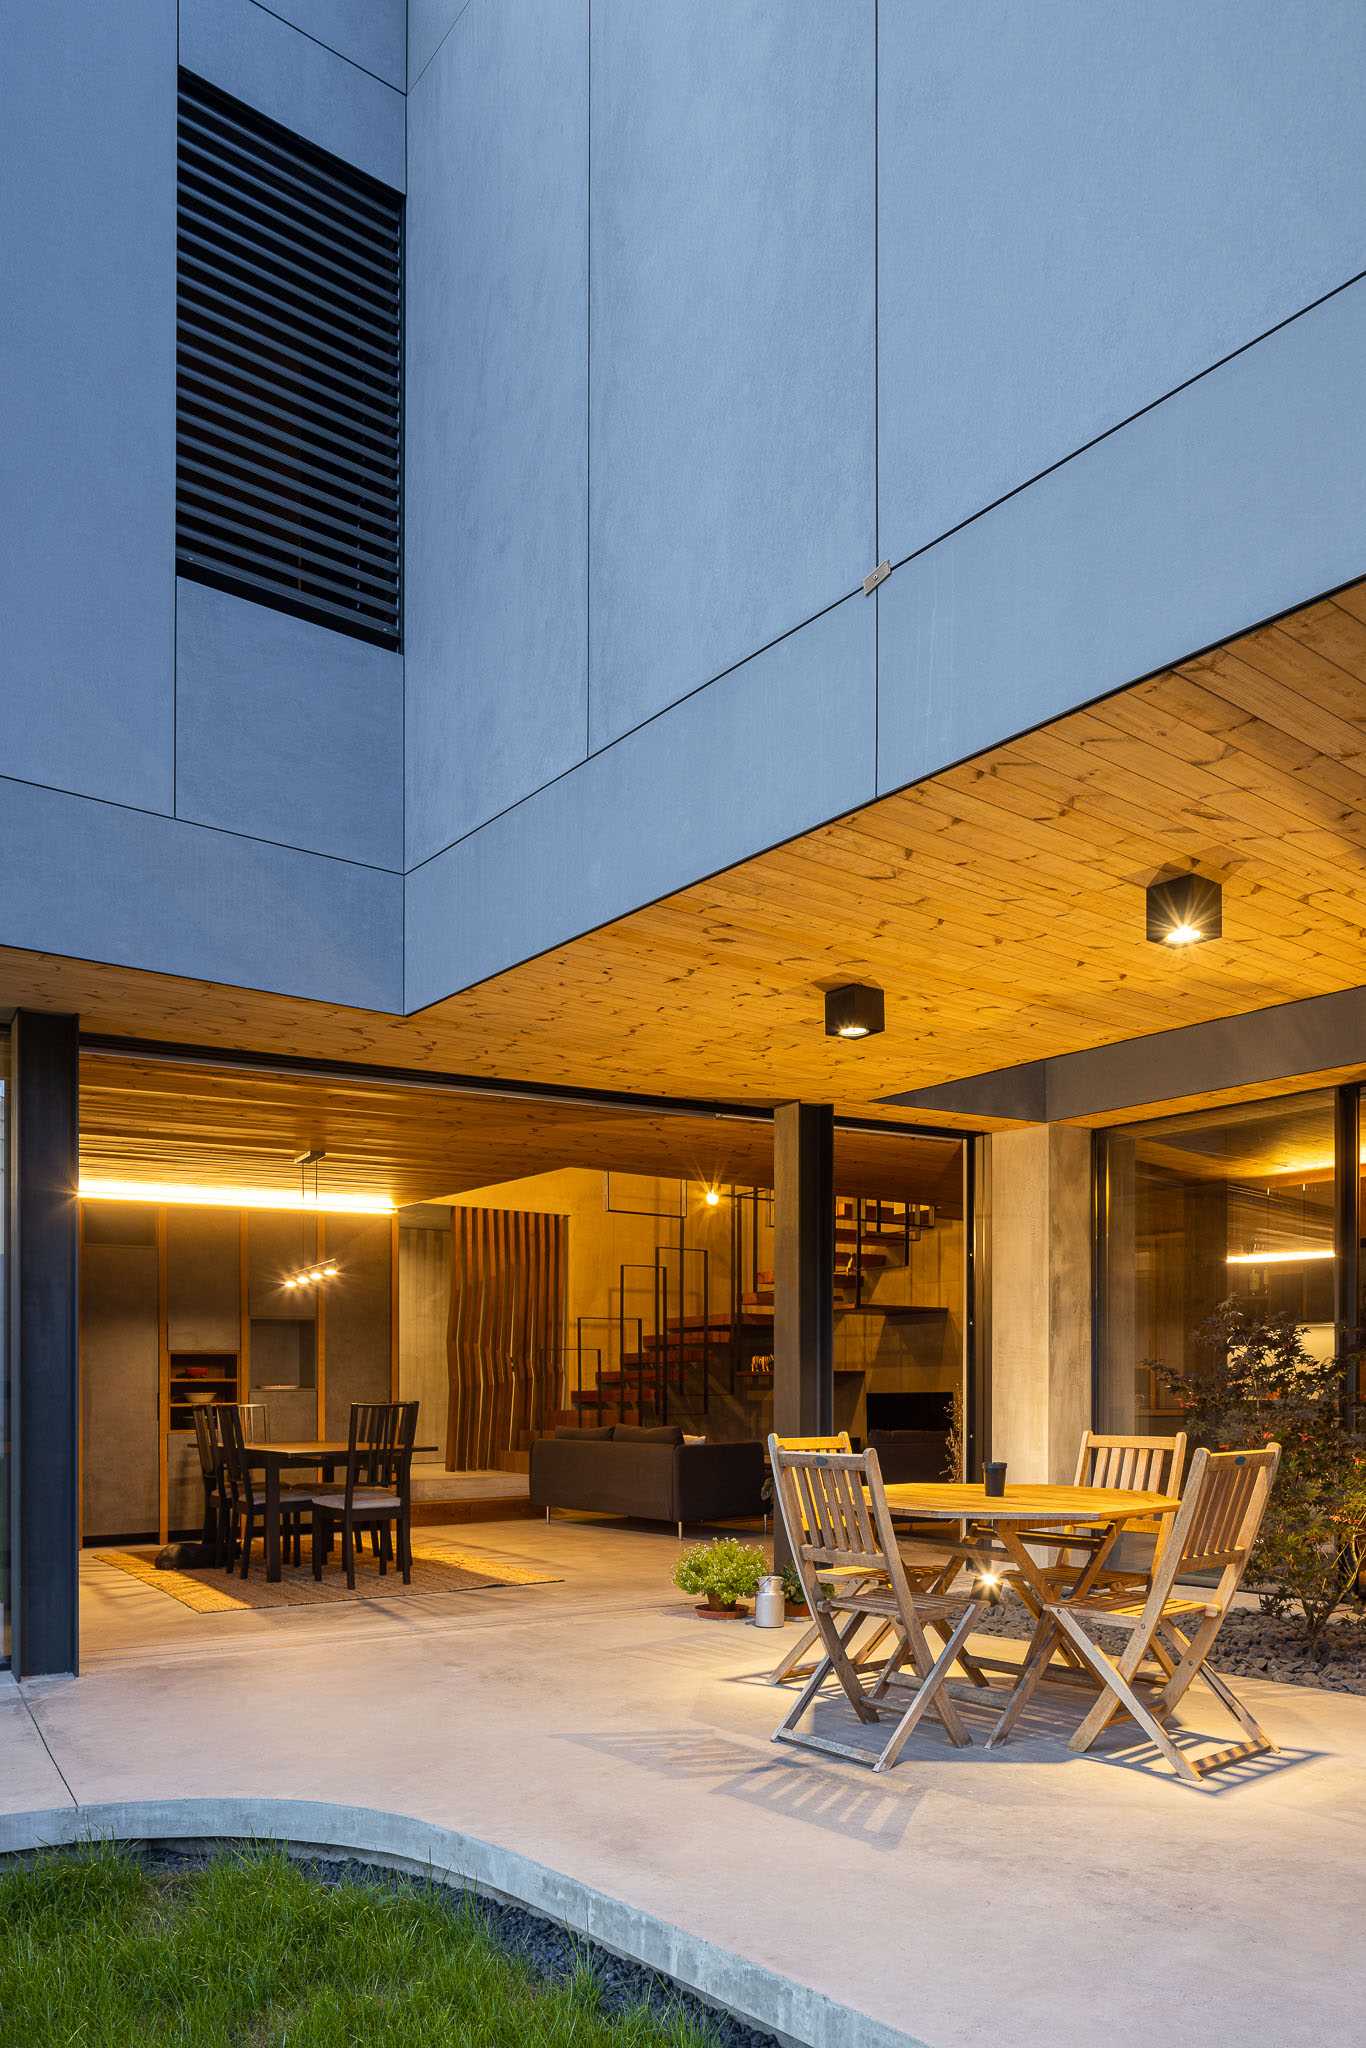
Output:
(1036, 1593)
(272, 1533)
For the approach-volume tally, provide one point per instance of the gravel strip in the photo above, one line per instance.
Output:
(1250, 1645)
(550, 1952)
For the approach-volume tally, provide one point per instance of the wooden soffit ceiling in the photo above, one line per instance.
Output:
(999, 904)
(155, 1121)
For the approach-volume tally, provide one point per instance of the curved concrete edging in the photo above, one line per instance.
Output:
(794, 2012)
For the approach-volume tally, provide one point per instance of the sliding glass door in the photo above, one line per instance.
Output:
(1236, 1203)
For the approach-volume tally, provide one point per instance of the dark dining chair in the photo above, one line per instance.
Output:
(209, 1444)
(255, 1421)
(378, 1490)
(245, 1506)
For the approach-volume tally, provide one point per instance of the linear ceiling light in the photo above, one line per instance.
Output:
(1307, 1251)
(174, 1193)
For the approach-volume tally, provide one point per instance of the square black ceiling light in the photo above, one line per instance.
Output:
(854, 1011)
(1184, 910)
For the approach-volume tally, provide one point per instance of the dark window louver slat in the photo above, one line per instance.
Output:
(288, 353)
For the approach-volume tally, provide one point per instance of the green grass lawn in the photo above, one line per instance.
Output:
(251, 1952)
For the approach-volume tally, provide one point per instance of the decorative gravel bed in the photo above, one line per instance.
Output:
(1251, 1645)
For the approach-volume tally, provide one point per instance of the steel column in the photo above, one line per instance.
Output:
(44, 1272)
(804, 1269)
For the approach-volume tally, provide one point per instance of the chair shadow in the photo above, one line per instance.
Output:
(1051, 1719)
(877, 1813)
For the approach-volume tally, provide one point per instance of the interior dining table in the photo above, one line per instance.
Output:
(322, 1454)
(996, 1529)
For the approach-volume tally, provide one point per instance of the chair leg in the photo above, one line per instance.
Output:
(381, 1536)
(405, 1548)
(1031, 1671)
(789, 1661)
(349, 1552)
(785, 1731)
(1230, 1701)
(930, 1693)
(319, 1538)
(1116, 1681)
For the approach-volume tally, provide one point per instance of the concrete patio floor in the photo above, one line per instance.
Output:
(597, 1726)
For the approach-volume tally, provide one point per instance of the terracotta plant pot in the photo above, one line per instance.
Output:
(797, 1610)
(711, 1610)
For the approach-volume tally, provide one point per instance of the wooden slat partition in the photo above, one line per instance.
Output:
(508, 1279)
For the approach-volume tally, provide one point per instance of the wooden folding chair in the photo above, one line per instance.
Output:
(792, 1663)
(843, 1545)
(1213, 1530)
(1135, 1464)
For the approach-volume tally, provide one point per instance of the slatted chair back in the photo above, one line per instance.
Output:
(380, 1444)
(1135, 1464)
(255, 1421)
(1216, 1525)
(235, 1467)
(838, 1444)
(831, 1520)
(206, 1440)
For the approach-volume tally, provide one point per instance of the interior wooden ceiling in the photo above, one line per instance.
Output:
(1285, 1145)
(1000, 905)
(150, 1121)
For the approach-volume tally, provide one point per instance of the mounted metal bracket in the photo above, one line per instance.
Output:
(876, 576)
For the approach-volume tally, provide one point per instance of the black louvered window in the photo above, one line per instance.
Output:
(288, 341)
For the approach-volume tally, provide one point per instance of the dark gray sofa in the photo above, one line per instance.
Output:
(650, 1474)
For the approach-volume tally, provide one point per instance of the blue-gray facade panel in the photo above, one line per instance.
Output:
(99, 882)
(371, 33)
(1239, 497)
(497, 454)
(1082, 206)
(687, 794)
(249, 52)
(732, 335)
(286, 730)
(429, 23)
(87, 372)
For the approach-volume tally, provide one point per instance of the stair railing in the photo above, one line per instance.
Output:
(636, 1266)
(611, 1323)
(592, 1351)
(684, 1252)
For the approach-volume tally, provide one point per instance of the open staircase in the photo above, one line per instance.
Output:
(713, 1372)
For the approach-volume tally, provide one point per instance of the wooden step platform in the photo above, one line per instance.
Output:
(443, 1496)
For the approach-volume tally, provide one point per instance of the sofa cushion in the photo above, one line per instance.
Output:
(586, 1436)
(631, 1433)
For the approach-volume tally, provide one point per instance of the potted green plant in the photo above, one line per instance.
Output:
(793, 1595)
(727, 1572)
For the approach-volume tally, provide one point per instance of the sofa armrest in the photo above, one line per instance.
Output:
(718, 1482)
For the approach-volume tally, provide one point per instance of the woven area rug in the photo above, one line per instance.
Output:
(213, 1592)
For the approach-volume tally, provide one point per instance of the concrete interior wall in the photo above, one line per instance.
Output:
(1040, 1299)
